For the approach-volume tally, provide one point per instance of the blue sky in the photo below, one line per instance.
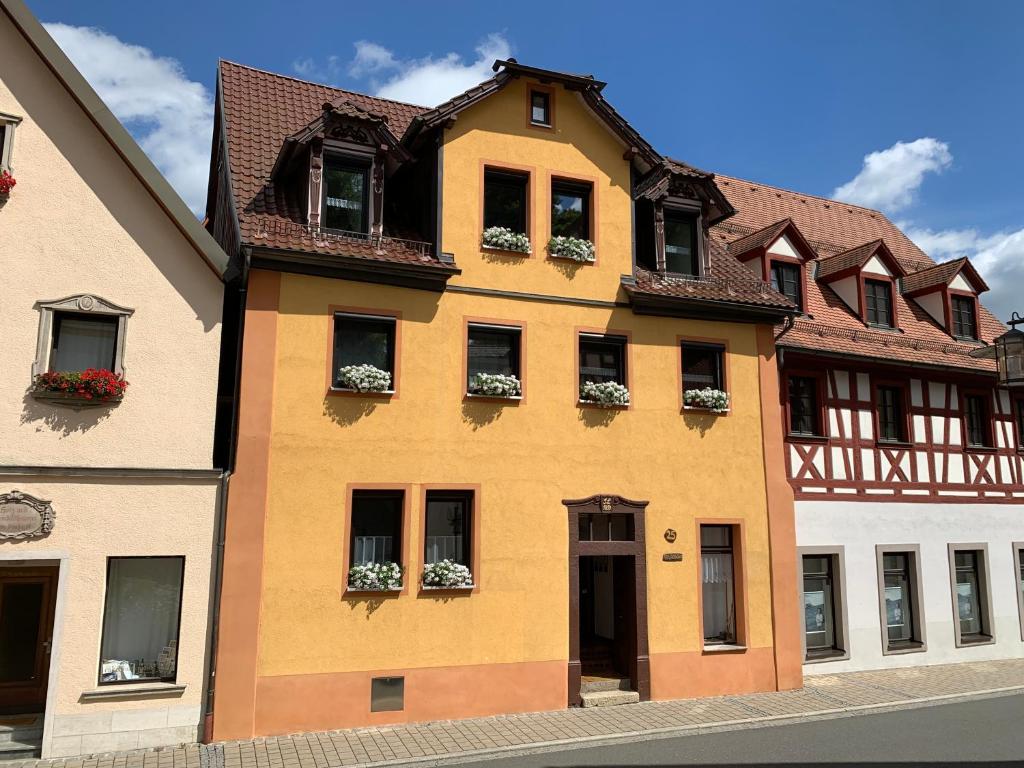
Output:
(796, 94)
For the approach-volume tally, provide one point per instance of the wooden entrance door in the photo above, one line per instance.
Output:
(27, 600)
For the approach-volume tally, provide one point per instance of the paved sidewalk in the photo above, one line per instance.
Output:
(823, 696)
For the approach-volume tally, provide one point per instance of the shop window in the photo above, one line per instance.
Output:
(823, 606)
(900, 603)
(971, 603)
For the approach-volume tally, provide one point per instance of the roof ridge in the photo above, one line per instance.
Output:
(797, 193)
(324, 85)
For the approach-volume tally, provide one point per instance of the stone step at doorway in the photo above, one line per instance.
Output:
(21, 736)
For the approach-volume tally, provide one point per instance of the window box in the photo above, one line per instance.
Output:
(707, 399)
(504, 239)
(607, 394)
(364, 378)
(375, 577)
(495, 385)
(572, 248)
(7, 183)
(91, 387)
(447, 574)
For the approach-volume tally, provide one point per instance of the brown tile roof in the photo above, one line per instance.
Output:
(834, 228)
(855, 257)
(261, 110)
(759, 239)
(685, 169)
(942, 274)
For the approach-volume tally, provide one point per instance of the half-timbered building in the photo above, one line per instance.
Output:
(904, 455)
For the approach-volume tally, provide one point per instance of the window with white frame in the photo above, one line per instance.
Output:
(8, 123)
(78, 333)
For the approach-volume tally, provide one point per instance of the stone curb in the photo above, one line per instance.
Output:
(627, 737)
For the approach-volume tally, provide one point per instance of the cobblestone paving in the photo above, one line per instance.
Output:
(821, 695)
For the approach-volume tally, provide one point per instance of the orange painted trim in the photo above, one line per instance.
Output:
(396, 377)
(786, 621)
(696, 674)
(333, 700)
(520, 325)
(550, 91)
(726, 370)
(628, 336)
(739, 575)
(408, 560)
(474, 529)
(592, 225)
(531, 217)
(238, 631)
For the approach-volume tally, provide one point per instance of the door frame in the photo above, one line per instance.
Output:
(50, 576)
(608, 505)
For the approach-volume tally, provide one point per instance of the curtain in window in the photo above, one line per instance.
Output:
(718, 596)
(82, 343)
(140, 622)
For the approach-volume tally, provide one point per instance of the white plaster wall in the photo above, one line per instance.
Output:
(958, 283)
(932, 304)
(859, 526)
(78, 221)
(846, 289)
(783, 247)
(97, 519)
(876, 267)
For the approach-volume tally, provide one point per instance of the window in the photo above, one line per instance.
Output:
(878, 300)
(7, 125)
(493, 349)
(786, 280)
(363, 340)
(965, 325)
(971, 606)
(804, 413)
(602, 358)
(82, 341)
(141, 616)
(892, 422)
(570, 209)
(703, 366)
(505, 200)
(899, 600)
(681, 243)
(448, 527)
(977, 426)
(376, 529)
(601, 526)
(819, 605)
(718, 591)
(540, 108)
(347, 195)
(1019, 406)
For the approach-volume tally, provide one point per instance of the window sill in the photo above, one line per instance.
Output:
(797, 438)
(708, 411)
(912, 647)
(505, 252)
(980, 449)
(353, 592)
(602, 406)
(388, 393)
(725, 648)
(822, 658)
(132, 691)
(464, 589)
(514, 400)
(74, 400)
(970, 642)
(893, 444)
(590, 263)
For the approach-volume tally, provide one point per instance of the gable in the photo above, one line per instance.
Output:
(959, 283)
(783, 247)
(875, 266)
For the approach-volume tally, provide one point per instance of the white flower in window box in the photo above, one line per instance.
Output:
(573, 248)
(604, 393)
(446, 574)
(365, 378)
(505, 239)
(714, 400)
(495, 385)
(375, 577)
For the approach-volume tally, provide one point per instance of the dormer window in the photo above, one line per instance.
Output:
(681, 256)
(346, 203)
(965, 323)
(786, 280)
(540, 108)
(878, 303)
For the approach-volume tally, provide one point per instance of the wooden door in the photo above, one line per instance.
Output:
(27, 600)
(625, 615)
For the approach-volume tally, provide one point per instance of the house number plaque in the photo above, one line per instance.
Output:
(672, 557)
(24, 517)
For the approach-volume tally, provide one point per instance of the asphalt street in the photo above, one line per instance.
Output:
(986, 732)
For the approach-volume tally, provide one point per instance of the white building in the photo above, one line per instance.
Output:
(108, 505)
(904, 456)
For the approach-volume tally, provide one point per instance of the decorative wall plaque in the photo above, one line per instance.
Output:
(672, 557)
(24, 517)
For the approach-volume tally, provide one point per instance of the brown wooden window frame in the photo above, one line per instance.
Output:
(777, 280)
(957, 316)
(339, 317)
(901, 407)
(574, 188)
(466, 497)
(870, 297)
(718, 350)
(549, 95)
(986, 423)
(1018, 421)
(509, 177)
(819, 409)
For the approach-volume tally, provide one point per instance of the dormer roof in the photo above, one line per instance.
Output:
(941, 275)
(855, 259)
(760, 240)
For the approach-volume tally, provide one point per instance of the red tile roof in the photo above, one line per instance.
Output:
(762, 238)
(833, 228)
(855, 257)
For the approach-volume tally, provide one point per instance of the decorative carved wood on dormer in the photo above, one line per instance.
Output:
(316, 173)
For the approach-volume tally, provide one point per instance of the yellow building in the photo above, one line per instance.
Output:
(467, 479)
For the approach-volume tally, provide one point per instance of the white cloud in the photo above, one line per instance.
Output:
(890, 178)
(169, 115)
(427, 81)
(999, 258)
